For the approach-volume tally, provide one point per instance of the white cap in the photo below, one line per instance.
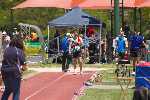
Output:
(68, 34)
(4, 32)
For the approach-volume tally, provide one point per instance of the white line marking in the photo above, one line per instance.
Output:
(75, 97)
(38, 91)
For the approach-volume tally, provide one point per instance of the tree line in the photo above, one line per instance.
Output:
(41, 16)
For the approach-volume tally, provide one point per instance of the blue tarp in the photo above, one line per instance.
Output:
(74, 18)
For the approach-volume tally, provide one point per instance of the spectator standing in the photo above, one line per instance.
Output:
(65, 49)
(135, 42)
(121, 45)
(5, 40)
(12, 65)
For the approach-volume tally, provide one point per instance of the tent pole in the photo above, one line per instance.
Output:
(48, 35)
(57, 48)
(84, 30)
(100, 43)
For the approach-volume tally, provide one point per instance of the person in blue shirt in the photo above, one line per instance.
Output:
(13, 64)
(135, 43)
(121, 45)
(65, 49)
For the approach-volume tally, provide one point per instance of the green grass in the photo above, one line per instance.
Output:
(106, 94)
(32, 51)
(100, 65)
(100, 94)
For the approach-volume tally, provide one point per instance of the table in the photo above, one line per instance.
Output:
(124, 90)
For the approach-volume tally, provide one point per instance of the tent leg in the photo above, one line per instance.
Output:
(48, 36)
(100, 43)
(48, 27)
(84, 30)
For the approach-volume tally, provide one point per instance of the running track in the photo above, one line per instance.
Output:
(53, 86)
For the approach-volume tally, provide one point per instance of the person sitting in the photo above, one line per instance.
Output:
(65, 49)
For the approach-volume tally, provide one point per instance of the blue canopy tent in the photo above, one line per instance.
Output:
(75, 18)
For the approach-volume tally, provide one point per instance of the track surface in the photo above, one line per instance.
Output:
(53, 86)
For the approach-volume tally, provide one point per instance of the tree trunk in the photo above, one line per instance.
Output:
(109, 50)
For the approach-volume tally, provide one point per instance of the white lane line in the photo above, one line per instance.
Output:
(46, 86)
(75, 97)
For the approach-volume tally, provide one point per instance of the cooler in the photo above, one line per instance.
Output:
(142, 78)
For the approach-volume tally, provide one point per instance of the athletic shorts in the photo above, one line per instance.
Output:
(135, 53)
(77, 54)
(121, 55)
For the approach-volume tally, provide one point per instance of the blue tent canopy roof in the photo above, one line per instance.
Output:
(74, 18)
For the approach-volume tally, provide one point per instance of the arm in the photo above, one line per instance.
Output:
(145, 45)
(22, 60)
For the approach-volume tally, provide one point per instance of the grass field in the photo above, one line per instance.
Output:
(109, 80)
(100, 94)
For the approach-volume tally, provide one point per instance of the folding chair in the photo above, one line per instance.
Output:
(124, 90)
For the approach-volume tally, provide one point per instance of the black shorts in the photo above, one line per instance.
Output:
(77, 54)
(135, 53)
(121, 55)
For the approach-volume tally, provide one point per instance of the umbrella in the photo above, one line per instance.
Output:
(67, 4)
(106, 4)
(145, 4)
(96, 4)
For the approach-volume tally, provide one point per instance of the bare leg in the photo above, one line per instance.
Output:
(134, 63)
(75, 64)
(80, 64)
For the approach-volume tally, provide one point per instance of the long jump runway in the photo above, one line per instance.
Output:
(53, 86)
